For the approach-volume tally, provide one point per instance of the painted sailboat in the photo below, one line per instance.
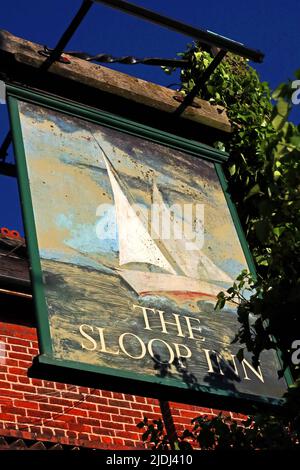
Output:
(185, 274)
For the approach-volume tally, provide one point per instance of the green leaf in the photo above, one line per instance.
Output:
(232, 169)
(253, 191)
(278, 230)
(277, 175)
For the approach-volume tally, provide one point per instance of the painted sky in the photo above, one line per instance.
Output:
(269, 25)
(69, 182)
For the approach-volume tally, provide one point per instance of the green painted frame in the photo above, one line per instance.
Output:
(15, 93)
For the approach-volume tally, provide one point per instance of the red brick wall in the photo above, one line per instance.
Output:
(44, 410)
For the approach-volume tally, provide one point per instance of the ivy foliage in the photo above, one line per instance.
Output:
(222, 432)
(264, 183)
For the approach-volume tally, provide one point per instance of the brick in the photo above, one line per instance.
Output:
(118, 396)
(36, 382)
(71, 434)
(185, 422)
(29, 420)
(140, 399)
(44, 391)
(152, 401)
(188, 414)
(60, 401)
(122, 419)
(60, 386)
(128, 397)
(141, 407)
(24, 380)
(107, 409)
(83, 436)
(7, 417)
(59, 432)
(111, 425)
(156, 409)
(100, 400)
(94, 438)
(47, 432)
(14, 410)
(119, 403)
(11, 393)
(48, 384)
(25, 388)
(87, 406)
(133, 428)
(79, 427)
(98, 415)
(11, 378)
(12, 426)
(117, 441)
(51, 408)
(35, 430)
(3, 368)
(4, 384)
(134, 413)
(101, 431)
(33, 351)
(11, 362)
(18, 341)
(21, 356)
(6, 401)
(51, 423)
(24, 364)
(152, 415)
(129, 435)
(90, 421)
(40, 414)
(106, 440)
(27, 404)
(128, 443)
(182, 406)
(77, 412)
(73, 396)
(22, 349)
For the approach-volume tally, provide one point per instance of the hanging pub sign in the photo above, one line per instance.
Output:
(131, 236)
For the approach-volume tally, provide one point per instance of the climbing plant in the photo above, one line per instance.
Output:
(264, 181)
(263, 174)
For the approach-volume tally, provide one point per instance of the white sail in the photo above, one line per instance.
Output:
(194, 263)
(135, 243)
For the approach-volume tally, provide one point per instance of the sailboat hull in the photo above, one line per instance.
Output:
(147, 283)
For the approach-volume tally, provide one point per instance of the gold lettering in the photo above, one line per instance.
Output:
(143, 347)
(88, 337)
(164, 323)
(144, 309)
(103, 345)
(156, 356)
(210, 367)
(180, 354)
(258, 372)
(191, 328)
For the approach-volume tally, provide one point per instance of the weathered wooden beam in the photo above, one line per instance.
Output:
(17, 51)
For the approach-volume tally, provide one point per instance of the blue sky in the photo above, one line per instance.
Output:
(269, 25)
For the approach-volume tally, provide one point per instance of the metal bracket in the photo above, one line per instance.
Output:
(199, 85)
